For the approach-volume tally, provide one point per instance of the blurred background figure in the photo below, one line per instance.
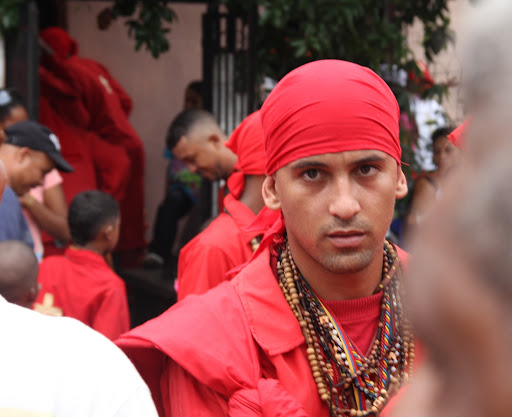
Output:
(44, 206)
(96, 102)
(18, 273)
(29, 152)
(428, 187)
(182, 191)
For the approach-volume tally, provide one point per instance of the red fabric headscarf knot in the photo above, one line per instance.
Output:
(246, 142)
(457, 136)
(269, 399)
(329, 106)
(59, 40)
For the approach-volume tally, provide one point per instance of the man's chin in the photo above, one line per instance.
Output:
(348, 261)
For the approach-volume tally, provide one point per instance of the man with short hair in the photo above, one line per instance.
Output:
(29, 152)
(80, 284)
(18, 273)
(195, 138)
(313, 325)
(204, 262)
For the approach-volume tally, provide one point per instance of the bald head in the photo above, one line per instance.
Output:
(18, 273)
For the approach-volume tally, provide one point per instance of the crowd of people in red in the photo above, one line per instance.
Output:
(293, 301)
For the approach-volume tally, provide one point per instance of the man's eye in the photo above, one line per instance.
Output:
(311, 174)
(366, 169)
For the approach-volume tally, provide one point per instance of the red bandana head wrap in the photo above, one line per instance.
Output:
(246, 142)
(59, 40)
(457, 136)
(323, 107)
(329, 106)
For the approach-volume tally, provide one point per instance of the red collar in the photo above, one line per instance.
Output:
(84, 256)
(241, 215)
(270, 318)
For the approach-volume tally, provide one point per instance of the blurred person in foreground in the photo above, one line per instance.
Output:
(460, 286)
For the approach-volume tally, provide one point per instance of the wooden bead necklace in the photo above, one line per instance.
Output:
(350, 383)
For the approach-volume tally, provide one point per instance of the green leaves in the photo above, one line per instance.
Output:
(147, 28)
(10, 14)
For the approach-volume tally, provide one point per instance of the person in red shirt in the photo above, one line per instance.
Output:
(80, 284)
(197, 144)
(204, 262)
(103, 108)
(313, 325)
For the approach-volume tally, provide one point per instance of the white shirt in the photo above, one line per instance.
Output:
(59, 367)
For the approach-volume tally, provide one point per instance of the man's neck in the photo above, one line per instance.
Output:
(93, 247)
(227, 161)
(333, 286)
(251, 196)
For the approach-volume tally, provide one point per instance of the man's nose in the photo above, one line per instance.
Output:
(344, 202)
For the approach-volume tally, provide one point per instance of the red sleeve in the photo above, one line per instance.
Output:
(112, 317)
(200, 268)
(112, 166)
(124, 99)
(184, 396)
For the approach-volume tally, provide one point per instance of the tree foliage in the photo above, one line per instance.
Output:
(369, 32)
(10, 14)
(146, 23)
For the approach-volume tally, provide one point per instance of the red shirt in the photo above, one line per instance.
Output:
(84, 287)
(237, 350)
(205, 260)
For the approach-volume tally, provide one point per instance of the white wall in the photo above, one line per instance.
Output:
(447, 67)
(155, 85)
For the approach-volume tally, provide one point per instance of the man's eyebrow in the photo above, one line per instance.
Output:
(308, 164)
(368, 159)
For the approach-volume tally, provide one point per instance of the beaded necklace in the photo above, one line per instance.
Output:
(350, 383)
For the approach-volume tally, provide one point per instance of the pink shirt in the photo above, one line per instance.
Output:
(51, 179)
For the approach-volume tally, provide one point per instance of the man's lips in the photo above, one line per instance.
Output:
(346, 239)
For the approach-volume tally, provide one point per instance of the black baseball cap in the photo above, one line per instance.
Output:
(32, 135)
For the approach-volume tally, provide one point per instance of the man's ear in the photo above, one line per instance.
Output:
(22, 154)
(401, 184)
(107, 231)
(215, 140)
(270, 194)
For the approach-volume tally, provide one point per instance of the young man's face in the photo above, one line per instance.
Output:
(29, 170)
(200, 156)
(338, 207)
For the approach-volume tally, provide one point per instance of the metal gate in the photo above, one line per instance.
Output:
(229, 65)
(229, 58)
